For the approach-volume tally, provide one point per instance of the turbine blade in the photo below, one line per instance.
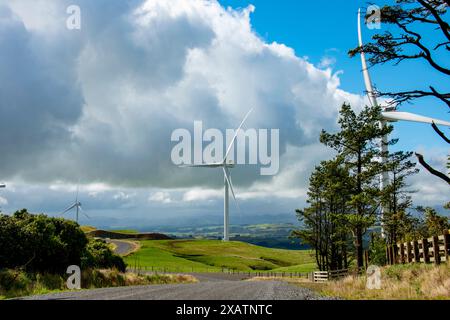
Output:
(69, 208)
(407, 116)
(230, 184)
(365, 69)
(235, 136)
(83, 212)
(76, 198)
(205, 165)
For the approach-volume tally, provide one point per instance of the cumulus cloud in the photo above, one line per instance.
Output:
(163, 197)
(104, 110)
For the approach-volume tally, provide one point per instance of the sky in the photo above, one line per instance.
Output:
(96, 107)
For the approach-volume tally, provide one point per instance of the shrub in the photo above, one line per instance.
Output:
(98, 255)
(37, 243)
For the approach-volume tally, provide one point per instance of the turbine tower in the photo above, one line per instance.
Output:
(228, 185)
(389, 114)
(77, 205)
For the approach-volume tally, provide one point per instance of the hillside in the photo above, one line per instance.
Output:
(126, 234)
(213, 255)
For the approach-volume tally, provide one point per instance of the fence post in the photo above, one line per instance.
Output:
(446, 244)
(408, 252)
(437, 257)
(416, 251)
(425, 253)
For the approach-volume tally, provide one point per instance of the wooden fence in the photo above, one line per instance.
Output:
(323, 276)
(431, 250)
(268, 274)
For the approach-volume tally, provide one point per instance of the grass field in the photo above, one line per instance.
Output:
(213, 255)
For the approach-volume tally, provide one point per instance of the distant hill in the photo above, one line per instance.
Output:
(127, 235)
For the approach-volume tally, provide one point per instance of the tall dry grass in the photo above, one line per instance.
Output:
(18, 283)
(414, 281)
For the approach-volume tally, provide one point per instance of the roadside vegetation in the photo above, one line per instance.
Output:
(344, 198)
(36, 250)
(398, 282)
(215, 255)
(19, 283)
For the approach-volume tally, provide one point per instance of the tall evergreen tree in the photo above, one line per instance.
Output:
(357, 143)
(324, 224)
(396, 197)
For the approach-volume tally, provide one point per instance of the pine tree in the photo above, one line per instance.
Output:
(357, 143)
(396, 197)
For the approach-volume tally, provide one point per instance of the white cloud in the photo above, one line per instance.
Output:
(163, 197)
(143, 72)
(327, 62)
(199, 194)
(3, 201)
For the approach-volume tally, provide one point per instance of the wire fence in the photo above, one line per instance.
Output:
(136, 268)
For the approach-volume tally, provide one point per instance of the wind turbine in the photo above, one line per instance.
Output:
(228, 185)
(390, 114)
(77, 205)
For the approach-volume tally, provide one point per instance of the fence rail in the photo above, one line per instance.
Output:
(323, 276)
(429, 250)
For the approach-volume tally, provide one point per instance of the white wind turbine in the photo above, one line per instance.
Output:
(77, 205)
(390, 114)
(225, 165)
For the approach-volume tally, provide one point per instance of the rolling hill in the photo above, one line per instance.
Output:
(213, 255)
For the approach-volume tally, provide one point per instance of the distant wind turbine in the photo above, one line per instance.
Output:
(77, 205)
(225, 165)
(390, 114)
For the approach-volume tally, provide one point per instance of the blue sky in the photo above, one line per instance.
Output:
(328, 28)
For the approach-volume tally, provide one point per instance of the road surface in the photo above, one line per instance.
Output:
(122, 247)
(206, 290)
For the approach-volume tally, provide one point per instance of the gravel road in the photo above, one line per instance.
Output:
(207, 290)
(122, 247)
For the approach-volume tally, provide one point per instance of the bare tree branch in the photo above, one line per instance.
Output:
(440, 133)
(431, 169)
(443, 25)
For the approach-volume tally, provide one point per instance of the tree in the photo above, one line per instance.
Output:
(324, 225)
(420, 33)
(396, 197)
(357, 144)
(434, 223)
